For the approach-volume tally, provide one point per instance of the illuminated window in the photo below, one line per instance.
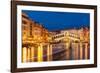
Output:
(31, 29)
(24, 22)
(24, 27)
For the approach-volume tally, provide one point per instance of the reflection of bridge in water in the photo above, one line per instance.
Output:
(73, 51)
(61, 48)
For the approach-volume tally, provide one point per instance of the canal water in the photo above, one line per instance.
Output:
(73, 51)
(56, 52)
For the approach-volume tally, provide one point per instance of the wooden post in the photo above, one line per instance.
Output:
(40, 53)
(76, 51)
(48, 53)
(81, 51)
(67, 51)
(86, 50)
(32, 54)
(28, 54)
(51, 56)
(24, 54)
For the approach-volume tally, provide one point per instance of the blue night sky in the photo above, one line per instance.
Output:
(59, 20)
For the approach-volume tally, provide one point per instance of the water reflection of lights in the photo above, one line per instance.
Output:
(71, 51)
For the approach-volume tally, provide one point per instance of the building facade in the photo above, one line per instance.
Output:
(34, 38)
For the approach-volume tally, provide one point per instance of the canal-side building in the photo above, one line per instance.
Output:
(34, 38)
